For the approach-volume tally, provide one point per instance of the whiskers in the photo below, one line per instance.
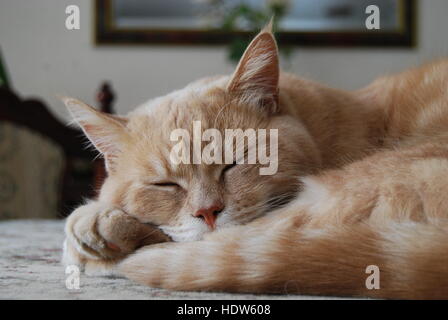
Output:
(248, 214)
(281, 200)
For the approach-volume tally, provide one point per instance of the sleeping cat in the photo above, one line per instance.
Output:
(361, 181)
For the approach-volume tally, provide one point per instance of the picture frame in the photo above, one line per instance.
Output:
(109, 32)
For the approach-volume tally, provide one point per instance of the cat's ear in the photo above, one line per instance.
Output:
(257, 74)
(106, 132)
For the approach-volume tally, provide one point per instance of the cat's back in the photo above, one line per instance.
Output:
(429, 78)
(415, 101)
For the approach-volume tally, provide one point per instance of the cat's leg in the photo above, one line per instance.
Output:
(99, 235)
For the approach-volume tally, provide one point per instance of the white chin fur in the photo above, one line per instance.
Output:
(186, 233)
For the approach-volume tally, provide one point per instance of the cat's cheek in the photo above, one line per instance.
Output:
(152, 206)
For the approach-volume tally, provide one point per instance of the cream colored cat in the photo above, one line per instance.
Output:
(362, 180)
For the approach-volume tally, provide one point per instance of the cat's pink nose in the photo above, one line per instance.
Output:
(210, 214)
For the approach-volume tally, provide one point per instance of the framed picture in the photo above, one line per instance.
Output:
(304, 22)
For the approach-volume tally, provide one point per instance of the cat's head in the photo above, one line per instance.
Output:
(189, 199)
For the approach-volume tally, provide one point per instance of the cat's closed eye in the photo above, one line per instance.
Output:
(166, 184)
(228, 167)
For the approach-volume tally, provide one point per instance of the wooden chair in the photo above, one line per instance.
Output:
(80, 173)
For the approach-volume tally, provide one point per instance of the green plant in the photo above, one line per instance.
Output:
(241, 15)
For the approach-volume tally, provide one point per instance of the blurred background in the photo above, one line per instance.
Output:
(44, 58)
(148, 48)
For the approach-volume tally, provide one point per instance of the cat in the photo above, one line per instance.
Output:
(360, 182)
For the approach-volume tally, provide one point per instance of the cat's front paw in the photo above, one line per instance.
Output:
(100, 232)
(85, 233)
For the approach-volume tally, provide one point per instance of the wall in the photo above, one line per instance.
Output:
(44, 59)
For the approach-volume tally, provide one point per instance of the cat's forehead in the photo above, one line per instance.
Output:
(200, 89)
(205, 100)
(170, 113)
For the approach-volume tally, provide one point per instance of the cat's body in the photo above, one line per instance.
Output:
(366, 171)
